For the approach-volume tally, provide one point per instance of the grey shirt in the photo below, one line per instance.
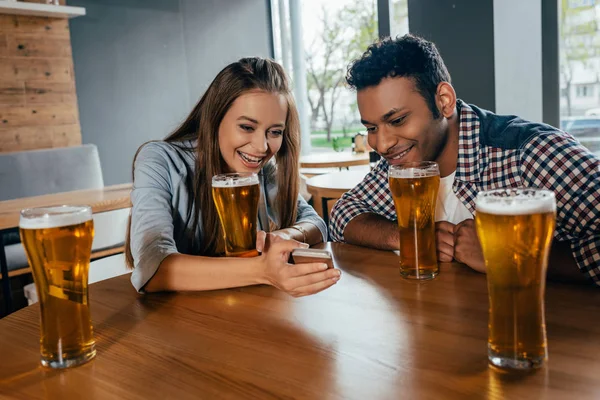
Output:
(163, 172)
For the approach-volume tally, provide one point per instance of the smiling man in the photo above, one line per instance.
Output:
(411, 112)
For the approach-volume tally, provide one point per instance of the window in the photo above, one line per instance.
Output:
(334, 32)
(585, 91)
(580, 71)
(399, 17)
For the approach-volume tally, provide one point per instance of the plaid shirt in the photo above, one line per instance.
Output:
(509, 152)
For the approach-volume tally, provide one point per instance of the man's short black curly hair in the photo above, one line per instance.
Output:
(407, 56)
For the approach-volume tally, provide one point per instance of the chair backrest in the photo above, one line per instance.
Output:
(110, 228)
(38, 172)
(108, 267)
(102, 269)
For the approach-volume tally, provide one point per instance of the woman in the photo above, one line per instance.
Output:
(246, 121)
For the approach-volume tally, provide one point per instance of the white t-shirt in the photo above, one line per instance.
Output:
(448, 206)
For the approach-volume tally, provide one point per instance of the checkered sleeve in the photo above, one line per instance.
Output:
(372, 195)
(558, 162)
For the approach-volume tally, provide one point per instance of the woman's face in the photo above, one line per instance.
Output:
(252, 130)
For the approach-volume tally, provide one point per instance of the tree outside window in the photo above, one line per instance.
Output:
(580, 70)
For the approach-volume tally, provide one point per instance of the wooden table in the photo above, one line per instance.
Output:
(334, 159)
(108, 198)
(331, 186)
(373, 335)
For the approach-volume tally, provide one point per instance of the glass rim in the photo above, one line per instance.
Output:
(414, 169)
(236, 179)
(414, 164)
(54, 216)
(490, 192)
(516, 201)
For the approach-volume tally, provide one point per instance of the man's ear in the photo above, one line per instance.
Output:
(445, 99)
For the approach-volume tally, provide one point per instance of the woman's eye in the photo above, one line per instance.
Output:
(247, 128)
(276, 133)
(370, 129)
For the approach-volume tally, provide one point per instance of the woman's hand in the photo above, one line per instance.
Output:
(264, 239)
(295, 279)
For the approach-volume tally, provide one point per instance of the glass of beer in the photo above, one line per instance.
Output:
(515, 228)
(236, 197)
(58, 243)
(414, 188)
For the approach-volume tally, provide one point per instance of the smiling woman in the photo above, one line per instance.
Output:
(246, 122)
(252, 130)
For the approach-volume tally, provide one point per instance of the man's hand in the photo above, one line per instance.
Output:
(467, 248)
(444, 236)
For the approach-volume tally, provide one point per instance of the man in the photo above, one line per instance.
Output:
(409, 107)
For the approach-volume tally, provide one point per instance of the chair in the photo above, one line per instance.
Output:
(102, 269)
(109, 238)
(47, 171)
(38, 172)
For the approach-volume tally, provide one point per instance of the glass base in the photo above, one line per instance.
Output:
(522, 364)
(69, 362)
(418, 275)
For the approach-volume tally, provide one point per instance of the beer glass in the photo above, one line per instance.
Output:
(515, 228)
(236, 198)
(414, 188)
(58, 243)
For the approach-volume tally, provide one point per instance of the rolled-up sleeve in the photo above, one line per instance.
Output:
(308, 214)
(372, 195)
(152, 214)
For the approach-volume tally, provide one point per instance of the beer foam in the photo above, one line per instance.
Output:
(234, 180)
(516, 202)
(407, 171)
(54, 217)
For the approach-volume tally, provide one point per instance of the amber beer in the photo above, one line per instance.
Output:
(414, 188)
(58, 243)
(515, 228)
(236, 197)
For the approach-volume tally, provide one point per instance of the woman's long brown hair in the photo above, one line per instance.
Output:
(203, 124)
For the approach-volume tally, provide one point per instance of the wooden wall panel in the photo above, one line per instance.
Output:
(12, 93)
(38, 102)
(3, 45)
(20, 24)
(39, 137)
(30, 69)
(45, 92)
(37, 46)
(45, 115)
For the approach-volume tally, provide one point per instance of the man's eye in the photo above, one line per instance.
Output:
(398, 121)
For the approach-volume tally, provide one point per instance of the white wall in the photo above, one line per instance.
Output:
(219, 32)
(141, 65)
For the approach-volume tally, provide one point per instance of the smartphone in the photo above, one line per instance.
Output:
(300, 256)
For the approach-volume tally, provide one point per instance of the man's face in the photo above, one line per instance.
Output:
(399, 123)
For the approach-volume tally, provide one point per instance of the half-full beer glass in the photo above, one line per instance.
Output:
(414, 188)
(58, 243)
(236, 197)
(515, 228)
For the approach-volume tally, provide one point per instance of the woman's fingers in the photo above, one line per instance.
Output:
(315, 287)
(261, 237)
